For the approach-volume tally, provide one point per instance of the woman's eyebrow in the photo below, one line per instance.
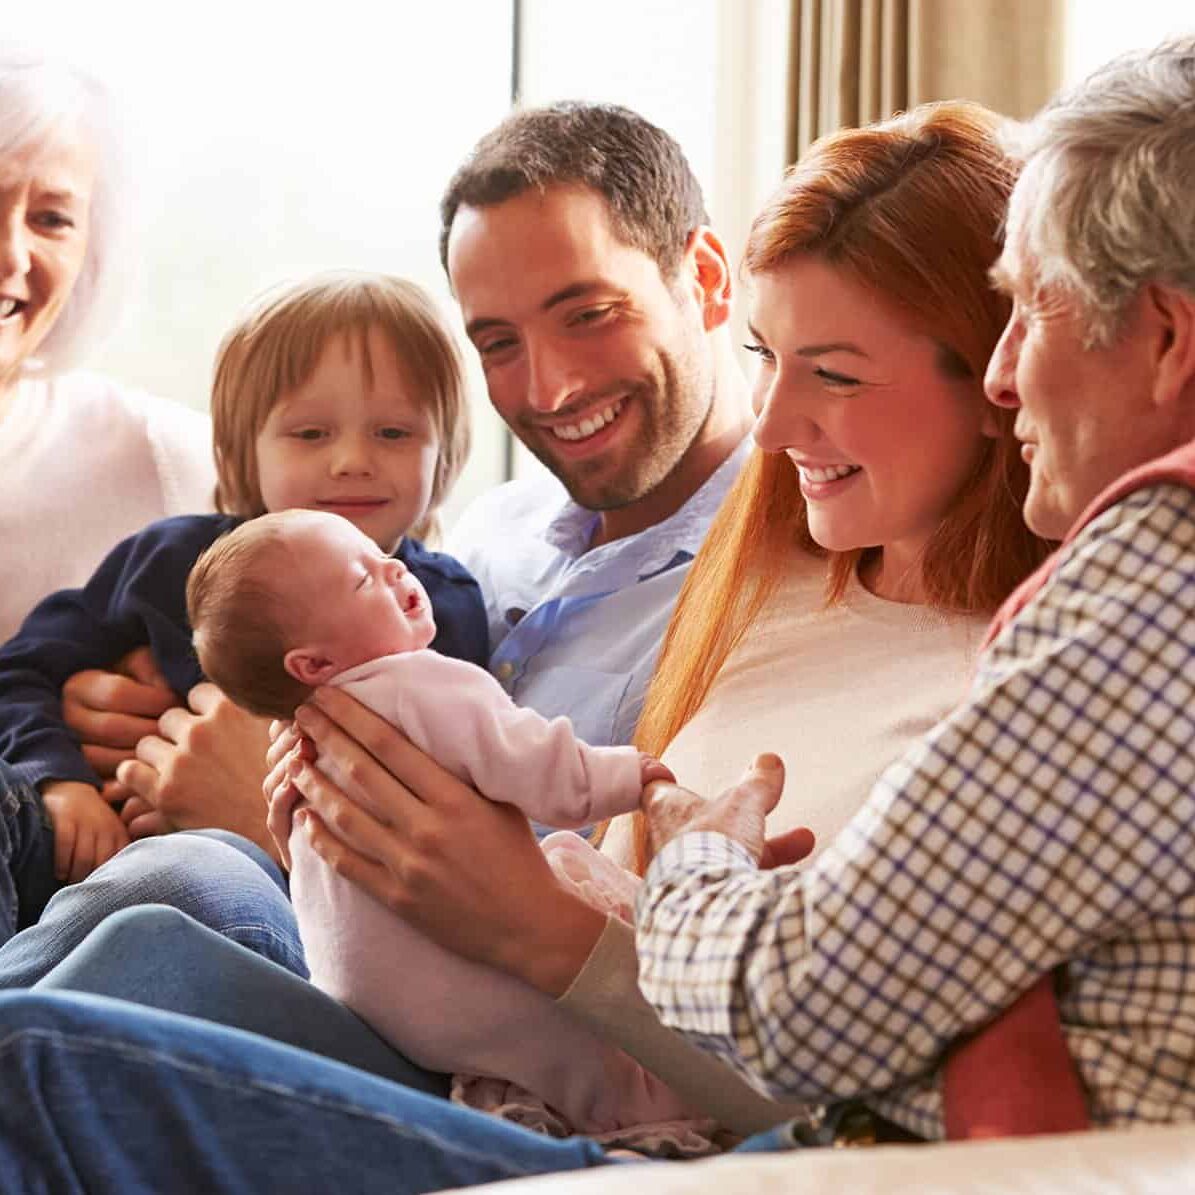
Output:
(60, 195)
(833, 346)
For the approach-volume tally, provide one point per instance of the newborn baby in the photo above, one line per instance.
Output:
(302, 598)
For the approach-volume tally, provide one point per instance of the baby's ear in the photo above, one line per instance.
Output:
(309, 665)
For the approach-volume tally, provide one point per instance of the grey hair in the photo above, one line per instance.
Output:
(43, 102)
(1113, 160)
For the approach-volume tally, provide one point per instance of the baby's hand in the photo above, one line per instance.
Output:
(652, 769)
(87, 831)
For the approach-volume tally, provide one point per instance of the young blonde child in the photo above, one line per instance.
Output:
(295, 600)
(343, 394)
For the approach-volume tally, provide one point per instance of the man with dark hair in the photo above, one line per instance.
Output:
(596, 295)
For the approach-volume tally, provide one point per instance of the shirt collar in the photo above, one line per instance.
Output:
(571, 529)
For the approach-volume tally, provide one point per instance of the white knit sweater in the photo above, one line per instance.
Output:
(838, 692)
(85, 462)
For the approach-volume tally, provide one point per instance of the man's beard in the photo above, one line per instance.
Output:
(672, 412)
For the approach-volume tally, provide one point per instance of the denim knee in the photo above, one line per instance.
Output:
(221, 880)
(231, 887)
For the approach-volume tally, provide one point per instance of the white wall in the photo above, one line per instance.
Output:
(273, 138)
(1097, 30)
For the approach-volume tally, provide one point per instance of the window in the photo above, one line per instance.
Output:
(271, 140)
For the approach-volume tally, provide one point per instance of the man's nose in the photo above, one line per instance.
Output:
(1000, 378)
(553, 378)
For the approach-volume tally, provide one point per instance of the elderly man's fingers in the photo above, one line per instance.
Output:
(788, 848)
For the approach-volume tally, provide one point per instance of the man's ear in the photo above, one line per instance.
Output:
(1173, 313)
(709, 268)
(309, 666)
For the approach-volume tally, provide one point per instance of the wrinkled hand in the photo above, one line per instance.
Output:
(739, 813)
(112, 711)
(465, 871)
(86, 830)
(202, 768)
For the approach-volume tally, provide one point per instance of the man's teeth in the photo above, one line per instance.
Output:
(8, 306)
(589, 425)
(830, 473)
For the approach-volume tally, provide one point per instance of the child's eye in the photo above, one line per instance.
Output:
(393, 433)
(308, 433)
(835, 379)
(761, 351)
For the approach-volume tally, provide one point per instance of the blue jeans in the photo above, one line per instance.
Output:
(221, 880)
(26, 854)
(161, 958)
(101, 1096)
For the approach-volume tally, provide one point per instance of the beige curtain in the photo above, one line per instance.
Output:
(855, 61)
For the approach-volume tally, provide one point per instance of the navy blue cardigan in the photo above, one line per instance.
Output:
(137, 597)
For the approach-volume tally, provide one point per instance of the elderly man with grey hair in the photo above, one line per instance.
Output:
(1048, 826)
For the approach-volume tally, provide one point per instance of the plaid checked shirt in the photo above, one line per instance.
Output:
(1050, 820)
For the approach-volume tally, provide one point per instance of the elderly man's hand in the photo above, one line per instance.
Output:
(739, 813)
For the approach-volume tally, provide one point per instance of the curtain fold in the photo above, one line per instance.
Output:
(855, 61)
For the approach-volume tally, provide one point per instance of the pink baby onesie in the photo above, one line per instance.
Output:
(440, 1010)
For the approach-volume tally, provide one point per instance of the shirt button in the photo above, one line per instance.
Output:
(504, 671)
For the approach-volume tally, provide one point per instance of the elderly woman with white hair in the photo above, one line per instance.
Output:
(83, 461)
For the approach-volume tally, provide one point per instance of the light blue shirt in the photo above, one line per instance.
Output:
(574, 630)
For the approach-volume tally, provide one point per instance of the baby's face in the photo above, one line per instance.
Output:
(362, 603)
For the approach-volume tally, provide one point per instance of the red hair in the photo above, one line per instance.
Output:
(913, 209)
